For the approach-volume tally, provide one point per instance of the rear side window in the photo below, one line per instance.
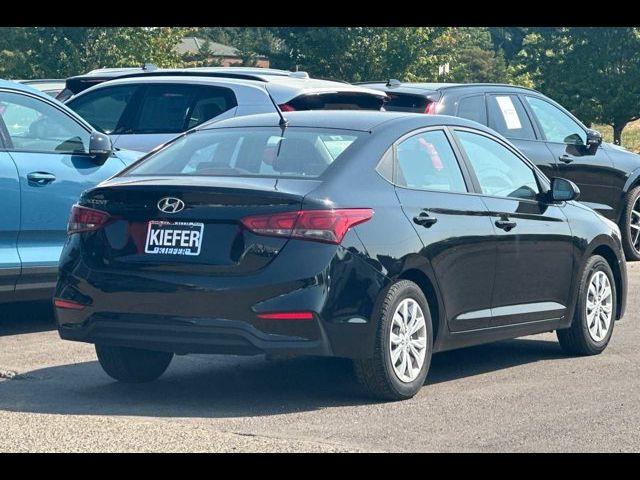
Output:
(403, 102)
(473, 108)
(508, 117)
(336, 101)
(104, 108)
(176, 108)
(426, 162)
(259, 151)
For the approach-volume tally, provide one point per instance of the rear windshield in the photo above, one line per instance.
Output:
(258, 152)
(403, 102)
(337, 101)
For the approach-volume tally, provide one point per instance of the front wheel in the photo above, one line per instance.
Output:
(595, 311)
(630, 225)
(132, 365)
(403, 347)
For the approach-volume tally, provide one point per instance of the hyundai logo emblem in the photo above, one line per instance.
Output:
(170, 205)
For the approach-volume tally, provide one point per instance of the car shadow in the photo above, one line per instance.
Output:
(223, 386)
(26, 317)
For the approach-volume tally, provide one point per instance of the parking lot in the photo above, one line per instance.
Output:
(519, 395)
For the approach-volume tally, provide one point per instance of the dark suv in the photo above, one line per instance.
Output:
(608, 175)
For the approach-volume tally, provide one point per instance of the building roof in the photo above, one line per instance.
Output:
(194, 45)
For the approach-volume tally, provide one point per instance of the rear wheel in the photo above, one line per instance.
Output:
(132, 365)
(630, 225)
(595, 312)
(403, 347)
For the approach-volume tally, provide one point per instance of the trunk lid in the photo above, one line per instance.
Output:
(215, 205)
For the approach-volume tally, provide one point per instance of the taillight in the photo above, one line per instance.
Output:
(430, 108)
(85, 219)
(285, 107)
(328, 226)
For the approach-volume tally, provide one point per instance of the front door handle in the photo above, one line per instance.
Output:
(506, 224)
(41, 178)
(424, 220)
(566, 158)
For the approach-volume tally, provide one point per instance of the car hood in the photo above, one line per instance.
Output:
(619, 148)
(128, 156)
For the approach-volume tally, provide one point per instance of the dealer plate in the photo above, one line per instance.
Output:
(174, 238)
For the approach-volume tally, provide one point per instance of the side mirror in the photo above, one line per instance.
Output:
(563, 190)
(594, 139)
(100, 147)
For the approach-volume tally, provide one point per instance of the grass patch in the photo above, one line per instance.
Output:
(630, 135)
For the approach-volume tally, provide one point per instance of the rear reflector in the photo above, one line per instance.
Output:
(67, 304)
(329, 226)
(286, 316)
(85, 219)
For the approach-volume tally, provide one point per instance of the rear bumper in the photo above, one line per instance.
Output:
(188, 335)
(187, 313)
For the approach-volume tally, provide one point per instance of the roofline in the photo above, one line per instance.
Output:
(40, 80)
(446, 87)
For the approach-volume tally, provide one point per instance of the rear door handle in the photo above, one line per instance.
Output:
(506, 224)
(41, 178)
(566, 158)
(424, 220)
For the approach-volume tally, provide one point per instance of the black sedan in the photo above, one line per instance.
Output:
(381, 237)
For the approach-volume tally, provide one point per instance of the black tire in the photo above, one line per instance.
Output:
(576, 339)
(376, 374)
(132, 365)
(628, 232)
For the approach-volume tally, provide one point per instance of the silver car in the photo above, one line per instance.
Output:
(143, 110)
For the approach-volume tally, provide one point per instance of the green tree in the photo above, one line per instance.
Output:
(37, 52)
(593, 71)
(366, 53)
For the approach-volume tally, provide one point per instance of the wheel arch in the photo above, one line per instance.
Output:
(609, 255)
(632, 182)
(431, 293)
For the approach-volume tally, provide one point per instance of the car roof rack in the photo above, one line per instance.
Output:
(240, 73)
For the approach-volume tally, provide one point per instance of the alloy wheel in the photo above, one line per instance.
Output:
(408, 340)
(599, 306)
(634, 225)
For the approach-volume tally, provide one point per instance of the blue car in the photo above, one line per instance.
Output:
(48, 157)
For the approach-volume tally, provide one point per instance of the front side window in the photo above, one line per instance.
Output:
(35, 126)
(426, 162)
(508, 117)
(557, 126)
(104, 108)
(499, 171)
(258, 151)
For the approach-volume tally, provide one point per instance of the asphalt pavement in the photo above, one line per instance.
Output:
(518, 395)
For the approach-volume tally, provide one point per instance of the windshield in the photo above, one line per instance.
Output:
(259, 151)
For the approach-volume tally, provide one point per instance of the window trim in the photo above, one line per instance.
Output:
(543, 136)
(543, 184)
(466, 177)
(534, 125)
(79, 122)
